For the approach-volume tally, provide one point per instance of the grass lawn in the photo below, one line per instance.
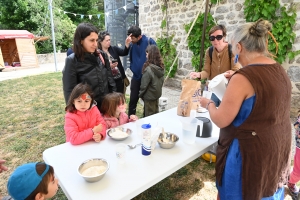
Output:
(32, 119)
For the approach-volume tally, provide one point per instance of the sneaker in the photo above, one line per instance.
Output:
(294, 190)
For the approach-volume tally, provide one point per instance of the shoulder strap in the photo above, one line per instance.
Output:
(148, 41)
(210, 51)
(229, 51)
(101, 58)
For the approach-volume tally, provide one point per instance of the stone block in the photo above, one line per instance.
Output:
(296, 27)
(230, 16)
(222, 9)
(238, 6)
(172, 82)
(155, 8)
(182, 16)
(190, 14)
(182, 72)
(146, 9)
(219, 17)
(298, 86)
(233, 22)
(188, 66)
(183, 10)
(241, 15)
(294, 73)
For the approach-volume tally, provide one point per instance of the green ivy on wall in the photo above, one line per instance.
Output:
(194, 39)
(168, 52)
(164, 43)
(283, 19)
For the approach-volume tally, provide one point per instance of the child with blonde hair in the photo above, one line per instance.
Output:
(32, 181)
(83, 121)
(113, 109)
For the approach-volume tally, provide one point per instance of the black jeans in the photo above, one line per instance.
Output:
(134, 95)
(120, 85)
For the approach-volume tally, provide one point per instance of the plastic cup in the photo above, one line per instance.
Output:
(121, 152)
(189, 129)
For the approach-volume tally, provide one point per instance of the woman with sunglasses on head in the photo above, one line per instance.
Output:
(114, 54)
(218, 58)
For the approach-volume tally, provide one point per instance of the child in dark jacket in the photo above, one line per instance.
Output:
(83, 121)
(152, 80)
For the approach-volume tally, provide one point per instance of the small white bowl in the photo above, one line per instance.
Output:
(94, 162)
(111, 133)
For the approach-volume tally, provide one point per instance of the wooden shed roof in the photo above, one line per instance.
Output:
(11, 34)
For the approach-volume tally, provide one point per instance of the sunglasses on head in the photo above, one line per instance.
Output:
(218, 37)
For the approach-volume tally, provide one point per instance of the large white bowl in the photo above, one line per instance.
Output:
(110, 133)
(91, 163)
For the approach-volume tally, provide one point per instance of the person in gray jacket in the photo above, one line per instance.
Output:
(152, 80)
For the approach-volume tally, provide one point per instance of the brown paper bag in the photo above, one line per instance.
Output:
(191, 91)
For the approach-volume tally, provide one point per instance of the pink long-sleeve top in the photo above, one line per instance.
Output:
(78, 126)
(112, 122)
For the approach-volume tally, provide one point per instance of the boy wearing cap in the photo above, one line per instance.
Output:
(32, 181)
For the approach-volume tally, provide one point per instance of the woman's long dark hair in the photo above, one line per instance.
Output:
(82, 31)
(154, 57)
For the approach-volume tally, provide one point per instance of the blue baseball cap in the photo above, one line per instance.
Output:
(24, 180)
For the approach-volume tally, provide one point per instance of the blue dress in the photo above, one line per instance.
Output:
(232, 177)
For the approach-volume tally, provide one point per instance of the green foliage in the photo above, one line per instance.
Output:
(20, 14)
(85, 7)
(283, 20)
(194, 39)
(163, 24)
(168, 52)
(33, 16)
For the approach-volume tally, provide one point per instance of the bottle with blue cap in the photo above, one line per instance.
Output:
(146, 146)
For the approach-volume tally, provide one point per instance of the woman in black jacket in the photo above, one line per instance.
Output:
(114, 54)
(88, 65)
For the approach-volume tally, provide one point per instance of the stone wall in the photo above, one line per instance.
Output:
(49, 58)
(228, 12)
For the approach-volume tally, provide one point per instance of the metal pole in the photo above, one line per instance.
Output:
(203, 35)
(105, 17)
(53, 36)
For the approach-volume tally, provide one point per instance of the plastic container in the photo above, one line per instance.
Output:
(146, 144)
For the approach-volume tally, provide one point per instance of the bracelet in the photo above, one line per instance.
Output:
(208, 104)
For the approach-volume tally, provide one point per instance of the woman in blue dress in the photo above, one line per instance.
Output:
(255, 132)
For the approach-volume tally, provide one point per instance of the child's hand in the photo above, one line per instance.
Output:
(98, 128)
(97, 137)
(133, 117)
(2, 167)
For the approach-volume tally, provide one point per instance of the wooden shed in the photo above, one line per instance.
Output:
(17, 49)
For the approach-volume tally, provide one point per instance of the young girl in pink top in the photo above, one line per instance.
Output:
(83, 121)
(113, 109)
